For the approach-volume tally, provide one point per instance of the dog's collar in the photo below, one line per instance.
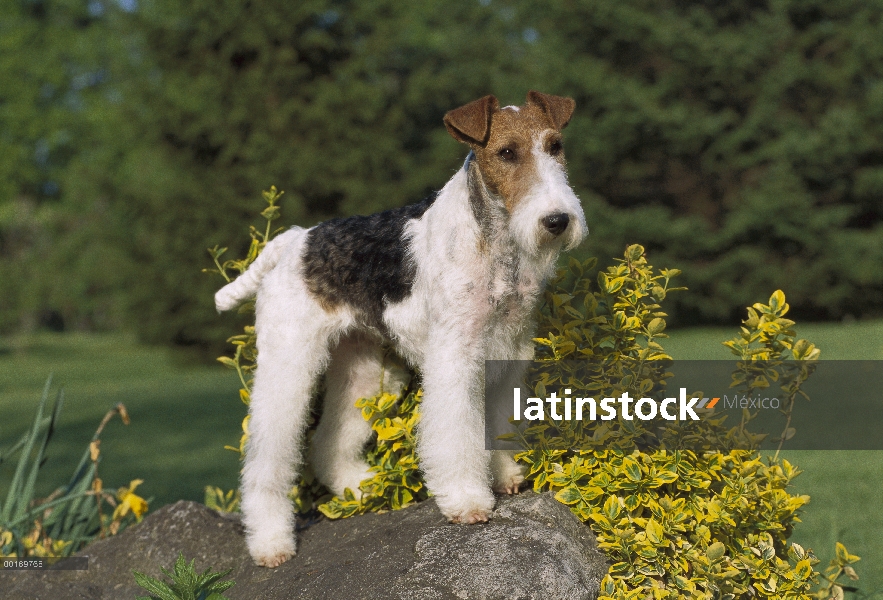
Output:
(469, 158)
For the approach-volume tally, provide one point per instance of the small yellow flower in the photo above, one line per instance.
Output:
(94, 449)
(5, 540)
(48, 548)
(58, 547)
(130, 501)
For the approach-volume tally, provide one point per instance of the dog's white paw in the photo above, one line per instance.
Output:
(273, 561)
(271, 551)
(272, 555)
(337, 474)
(508, 475)
(351, 478)
(467, 509)
(510, 486)
(472, 517)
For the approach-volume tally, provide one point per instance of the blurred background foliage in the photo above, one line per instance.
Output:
(741, 142)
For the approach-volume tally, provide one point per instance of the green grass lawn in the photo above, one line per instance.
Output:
(183, 415)
(846, 487)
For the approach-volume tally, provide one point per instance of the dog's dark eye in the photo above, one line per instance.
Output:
(555, 148)
(507, 154)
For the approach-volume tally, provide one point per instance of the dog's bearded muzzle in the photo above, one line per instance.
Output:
(568, 228)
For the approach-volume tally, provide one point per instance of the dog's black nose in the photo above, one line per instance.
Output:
(556, 223)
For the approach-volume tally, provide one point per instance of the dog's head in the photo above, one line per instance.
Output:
(519, 165)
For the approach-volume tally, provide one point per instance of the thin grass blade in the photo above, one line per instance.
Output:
(31, 483)
(15, 502)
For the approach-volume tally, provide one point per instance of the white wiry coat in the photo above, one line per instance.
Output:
(475, 286)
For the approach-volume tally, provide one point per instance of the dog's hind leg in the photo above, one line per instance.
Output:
(336, 453)
(293, 350)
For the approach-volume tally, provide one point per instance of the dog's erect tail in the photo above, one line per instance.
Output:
(246, 285)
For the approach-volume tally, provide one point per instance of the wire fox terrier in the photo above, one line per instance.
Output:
(448, 283)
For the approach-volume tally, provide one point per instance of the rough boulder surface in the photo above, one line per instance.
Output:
(532, 548)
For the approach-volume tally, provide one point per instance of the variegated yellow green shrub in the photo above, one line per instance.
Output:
(674, 523)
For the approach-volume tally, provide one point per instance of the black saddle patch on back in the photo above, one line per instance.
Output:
(362, 261)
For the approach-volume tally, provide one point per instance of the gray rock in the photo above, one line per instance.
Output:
(532, 548)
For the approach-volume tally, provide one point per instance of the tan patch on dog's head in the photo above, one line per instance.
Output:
(504, 140)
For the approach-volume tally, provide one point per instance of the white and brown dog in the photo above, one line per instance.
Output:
(449, 283)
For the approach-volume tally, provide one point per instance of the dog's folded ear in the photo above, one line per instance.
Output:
(471, 124)
(558, 109)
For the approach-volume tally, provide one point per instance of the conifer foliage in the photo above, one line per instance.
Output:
(737, 141)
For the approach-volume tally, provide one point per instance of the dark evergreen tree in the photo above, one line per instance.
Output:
(52, 54)
(739, 141)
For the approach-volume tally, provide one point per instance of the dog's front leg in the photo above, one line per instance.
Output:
(507, 475)
(450, 444)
